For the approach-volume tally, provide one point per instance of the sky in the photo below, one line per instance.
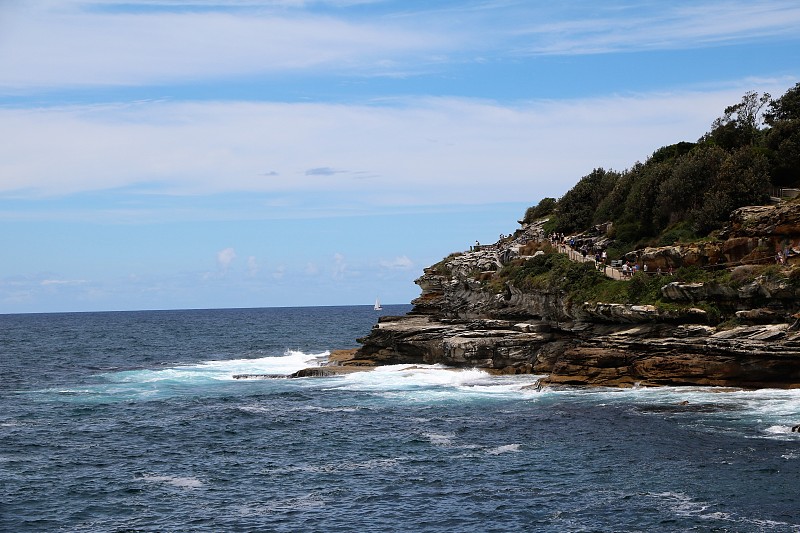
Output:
(165, 154)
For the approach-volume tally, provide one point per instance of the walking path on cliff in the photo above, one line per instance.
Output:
(607, 270)
(611, 272)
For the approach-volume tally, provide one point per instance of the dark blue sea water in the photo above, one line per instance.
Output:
(133, 422)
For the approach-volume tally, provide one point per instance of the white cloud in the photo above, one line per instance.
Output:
(225, 258)
(252, 266)
(398, 263)
(613, 27)
(339, 266)
(72, 43)
(57, 282)
(62, 45)
(416, 152)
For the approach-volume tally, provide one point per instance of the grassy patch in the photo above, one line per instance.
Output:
(441, 267)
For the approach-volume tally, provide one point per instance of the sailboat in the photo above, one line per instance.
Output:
(377, 306)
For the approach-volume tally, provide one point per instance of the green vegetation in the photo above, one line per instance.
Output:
(580, 282)
(686, 190)
(545, 207)
(683, 193)
(441, 267)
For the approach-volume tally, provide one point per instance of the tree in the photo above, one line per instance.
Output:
(545, 207)
(577, 207)
(612, 207)
(783, 138)
(742, 179)
(739, 125)
(680, 196)
(672, 151)
(787, 107)
(642, 197)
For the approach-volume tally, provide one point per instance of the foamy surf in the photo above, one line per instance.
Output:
(225, 370)
(437, 380)
(180, 482)
(153, 384)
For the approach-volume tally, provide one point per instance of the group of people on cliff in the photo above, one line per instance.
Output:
(627, 268)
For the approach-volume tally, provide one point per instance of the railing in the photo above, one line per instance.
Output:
(782, 192)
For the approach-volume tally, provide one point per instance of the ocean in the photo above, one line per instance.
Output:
(132, 421)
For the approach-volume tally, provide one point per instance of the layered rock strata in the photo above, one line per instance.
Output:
(580, 353)
(459, 321)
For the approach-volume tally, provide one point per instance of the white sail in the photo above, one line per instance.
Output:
(377, 304)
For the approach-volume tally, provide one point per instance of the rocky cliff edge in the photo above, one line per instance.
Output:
(465, 318)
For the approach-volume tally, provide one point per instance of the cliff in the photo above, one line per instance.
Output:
(518, 306)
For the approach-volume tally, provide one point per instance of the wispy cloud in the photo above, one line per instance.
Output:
(76, 44)
(225, 258)
(311, 269)
(419, 151)
(68, 46)
(279, 272)
(612, 27)
(323, 171)
(398, 263)
(57, 282)
(252, 266)
(338, 267)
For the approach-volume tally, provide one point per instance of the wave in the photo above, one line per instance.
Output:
(506, 448)
(685, 506)
(180, 482)
(760, 414)
(225, 370)
(197, 378)
(437, 382)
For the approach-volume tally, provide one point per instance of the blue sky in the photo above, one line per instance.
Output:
(162, 154)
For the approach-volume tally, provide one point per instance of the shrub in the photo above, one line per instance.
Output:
(545, 207)
(644, 289)
(794, 277)
(744, 274)
(680, 232)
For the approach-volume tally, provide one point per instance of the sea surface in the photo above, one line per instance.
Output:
(133, 421)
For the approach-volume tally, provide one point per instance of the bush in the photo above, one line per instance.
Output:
(644, 289)
(794, 277)
(534, 246)
(680, 232)
(545, 207)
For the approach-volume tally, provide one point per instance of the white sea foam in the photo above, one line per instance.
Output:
(682, 504)
(259, 408)
(373, 464)
(779, 430)
(301, 503)
(686, 506)
(435, 382)
(439, 440)
(225, 370)
(319, 409)
(774, 409)
(180, 482)
(507, 448)
(148, 384)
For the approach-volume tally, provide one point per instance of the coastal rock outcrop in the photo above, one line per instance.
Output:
(472, 313)
(577, 353)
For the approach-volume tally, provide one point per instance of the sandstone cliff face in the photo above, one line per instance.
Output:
(583, 354)
(461, 319)
(755, 234)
